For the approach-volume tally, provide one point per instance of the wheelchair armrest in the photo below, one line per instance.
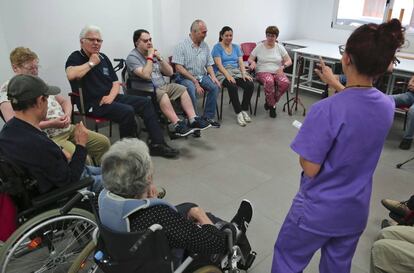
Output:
(58, 194)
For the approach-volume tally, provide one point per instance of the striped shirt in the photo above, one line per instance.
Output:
(194, 59)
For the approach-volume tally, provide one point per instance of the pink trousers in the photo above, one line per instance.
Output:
(275, 85)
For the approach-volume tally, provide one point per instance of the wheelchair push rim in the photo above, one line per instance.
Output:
(49, 243)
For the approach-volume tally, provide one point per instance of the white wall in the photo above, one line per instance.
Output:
(51, 28)
(314, 22)
(5, 70)
(248, 19)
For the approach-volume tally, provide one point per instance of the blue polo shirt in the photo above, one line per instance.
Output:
(97, 82)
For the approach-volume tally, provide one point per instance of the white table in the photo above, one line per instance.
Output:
(312, 50)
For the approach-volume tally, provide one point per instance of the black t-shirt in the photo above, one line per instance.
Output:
(97, 82)
(31, 149)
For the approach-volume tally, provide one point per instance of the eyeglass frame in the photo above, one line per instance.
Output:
(31, 67)
(341, 49)
(92, 40)
(146, 40)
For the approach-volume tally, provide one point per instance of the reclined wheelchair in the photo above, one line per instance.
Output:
(45, 240)
(149, 251)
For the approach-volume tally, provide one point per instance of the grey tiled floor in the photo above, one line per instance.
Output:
(226, 165)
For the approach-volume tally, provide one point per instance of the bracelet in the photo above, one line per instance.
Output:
(150, 59)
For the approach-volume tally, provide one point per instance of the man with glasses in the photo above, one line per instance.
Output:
(92, 70)
(147, 68)
(57, 124)
(193, 62)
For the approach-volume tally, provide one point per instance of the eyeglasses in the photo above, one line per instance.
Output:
(31, 67)
(270, 35)
(146, 40)
(93, 40)
(341, 49)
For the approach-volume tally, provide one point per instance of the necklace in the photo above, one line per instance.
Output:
(359, 86)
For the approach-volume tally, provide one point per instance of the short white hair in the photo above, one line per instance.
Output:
(127, 168)
(87, 29)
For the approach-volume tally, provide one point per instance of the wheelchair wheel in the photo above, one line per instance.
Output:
(84, 262)
(208, 269)
(48, 242)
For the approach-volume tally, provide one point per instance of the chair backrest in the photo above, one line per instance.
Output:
(247, 49)
(153, 254)
(17, 183)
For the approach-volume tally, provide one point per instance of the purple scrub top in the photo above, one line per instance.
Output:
(345, 134)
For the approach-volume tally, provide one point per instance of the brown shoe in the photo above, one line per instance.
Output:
(397, 207)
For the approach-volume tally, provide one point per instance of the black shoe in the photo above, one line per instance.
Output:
(200, 124)
(163, 150)
(181, 129)
(405, 144)
(197, 133)
(212, 122)
(266, 107)
(162, 192)
(243, 216)
(272, 112)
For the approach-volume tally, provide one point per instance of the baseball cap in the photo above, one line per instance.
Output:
(26, 87)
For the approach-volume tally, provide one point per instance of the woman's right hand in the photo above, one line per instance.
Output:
(252, 66)
(199, 216)
(231, 79)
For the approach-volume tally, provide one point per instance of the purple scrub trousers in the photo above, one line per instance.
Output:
(295, 247)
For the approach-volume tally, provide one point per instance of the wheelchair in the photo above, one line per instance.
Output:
(46, 239)
(149, 251)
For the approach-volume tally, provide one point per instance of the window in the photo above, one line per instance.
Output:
(349, 14)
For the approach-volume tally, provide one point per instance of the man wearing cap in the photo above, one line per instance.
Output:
(23, 142)
(93, 70)
(57, 125)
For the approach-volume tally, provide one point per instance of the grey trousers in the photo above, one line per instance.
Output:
(393, 252)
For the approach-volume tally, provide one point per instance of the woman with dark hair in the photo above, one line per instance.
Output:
(339, 145)
(230, 71)
(269, 59)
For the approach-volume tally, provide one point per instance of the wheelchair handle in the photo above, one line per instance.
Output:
(78, 197)
(144, 236)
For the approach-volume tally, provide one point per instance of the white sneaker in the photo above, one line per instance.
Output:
(240, 119)
(246, 116)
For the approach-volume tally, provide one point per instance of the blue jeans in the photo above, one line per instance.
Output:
(96, 174)
(407, 99)
(209, 86)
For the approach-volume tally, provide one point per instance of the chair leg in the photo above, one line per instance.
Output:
(221, 104)
(204, 98)
(287, 103)
(110, 128)
(257, 98)
(405, 120)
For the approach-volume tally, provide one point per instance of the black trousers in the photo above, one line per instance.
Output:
(232, 88)
(122, 111)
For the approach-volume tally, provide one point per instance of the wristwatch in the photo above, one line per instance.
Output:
(91, 64)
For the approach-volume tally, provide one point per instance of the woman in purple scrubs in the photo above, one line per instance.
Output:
(339, 145)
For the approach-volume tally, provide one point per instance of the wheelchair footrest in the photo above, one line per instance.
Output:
(249, 261)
